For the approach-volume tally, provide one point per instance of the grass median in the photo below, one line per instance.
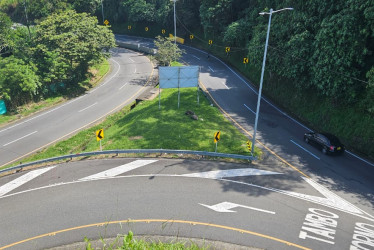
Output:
(148, 127)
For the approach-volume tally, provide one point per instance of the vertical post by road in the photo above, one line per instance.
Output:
(262, 74)
(27, 19)
(102, 10)
(175, 32)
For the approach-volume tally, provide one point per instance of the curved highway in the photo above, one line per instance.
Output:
(130, 74)
(255, 206)
(295, 197)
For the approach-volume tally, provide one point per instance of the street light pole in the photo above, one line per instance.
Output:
(262, 73)
(102, 10)
(175, 25)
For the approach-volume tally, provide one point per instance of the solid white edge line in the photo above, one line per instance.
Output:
(65, 104)
(282, 112)
(210, 69)
(19, 138)
(371, 218)
(305, 150)
(87, 107)
(8, 187)
(249, 108)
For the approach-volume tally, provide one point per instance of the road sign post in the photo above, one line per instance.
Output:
(100, 136)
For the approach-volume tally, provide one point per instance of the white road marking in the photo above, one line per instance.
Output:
(135, 71)
(305, 150)
(41, 114)
(334, 203)
(87, 107)
(123, 86)
(210, 69)
(131, 59)
(218, 174)
(119, 170)
(119, 67)
(249, 109)
(224, 84)
(20, 138)
(22, 180)
(196, 57)
(224, 207)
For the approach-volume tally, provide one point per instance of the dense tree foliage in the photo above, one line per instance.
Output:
(60, 49)
(167, 51)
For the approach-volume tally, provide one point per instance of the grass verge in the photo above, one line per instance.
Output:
(148, 127)
(350, 123)
(129, 242)
(97, 72)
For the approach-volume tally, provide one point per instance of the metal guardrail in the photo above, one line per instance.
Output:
(136, 47)
(131, 151)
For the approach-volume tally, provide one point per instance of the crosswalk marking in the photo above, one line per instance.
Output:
(218, 174)
(22, 180)
(119, 170)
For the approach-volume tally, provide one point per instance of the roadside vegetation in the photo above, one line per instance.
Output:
(97, 72)
(148, 127)
(129, 242)
(319, 66)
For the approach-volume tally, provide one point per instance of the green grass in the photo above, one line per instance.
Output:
(147, 127)
(351, 124)
(98, 70)
(129, 242)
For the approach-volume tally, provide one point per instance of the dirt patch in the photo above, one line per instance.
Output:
(133, 138)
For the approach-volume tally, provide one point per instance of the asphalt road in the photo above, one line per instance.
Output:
(279, 135)
(129, 74)
(269, 207)
(304, 199)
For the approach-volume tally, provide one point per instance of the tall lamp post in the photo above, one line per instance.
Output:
(102, 10)
(262, 72)
(175, 25)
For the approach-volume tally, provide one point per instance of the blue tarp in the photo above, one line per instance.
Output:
(2, 107)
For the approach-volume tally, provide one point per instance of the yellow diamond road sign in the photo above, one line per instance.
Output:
(100, 134)
(217, 136)
(245, 60)
(249, 145)
(210, 42)
(106, 22)
(227, 49)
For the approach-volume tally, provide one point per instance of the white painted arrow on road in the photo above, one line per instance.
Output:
(224, 207)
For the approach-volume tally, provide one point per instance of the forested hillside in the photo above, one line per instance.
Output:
(320, 62)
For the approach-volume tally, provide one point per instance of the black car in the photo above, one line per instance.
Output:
(328, 143)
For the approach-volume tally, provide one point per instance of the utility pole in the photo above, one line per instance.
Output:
(102, 10)
(27, 19)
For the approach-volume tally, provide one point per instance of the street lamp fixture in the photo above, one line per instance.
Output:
(262, 72)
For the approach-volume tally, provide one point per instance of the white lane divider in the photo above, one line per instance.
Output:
(119, 170)
(22, 180)
(305, 150)
(123, 86)
(211, 69)
(196, 57)
(20, 138)
(219, 174)
(249, 108)
(87, 107)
